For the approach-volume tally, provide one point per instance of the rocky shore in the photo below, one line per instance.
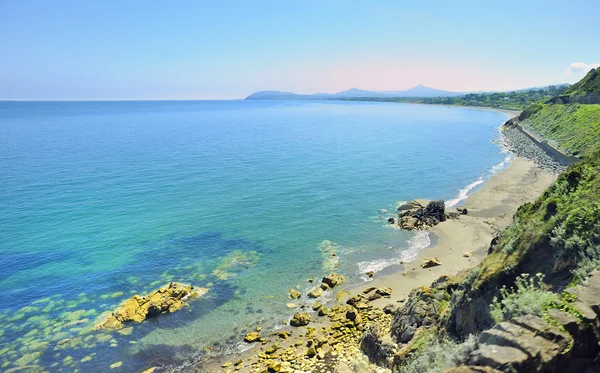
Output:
(354, 332)
(382, 324)
(524, 147)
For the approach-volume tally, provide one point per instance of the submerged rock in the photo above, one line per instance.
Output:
(139, 308)
(315, 293)
(294, 294)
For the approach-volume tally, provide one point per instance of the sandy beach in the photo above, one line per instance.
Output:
(490, 209)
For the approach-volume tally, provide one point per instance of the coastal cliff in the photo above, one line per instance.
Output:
(532, 304)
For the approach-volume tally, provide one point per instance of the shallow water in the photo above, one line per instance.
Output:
(101, 200)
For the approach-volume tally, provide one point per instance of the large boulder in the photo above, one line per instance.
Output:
(294, 294)
(333, 280)
(139, 308)
(415, 215)
(300, 319)
(430, 262)
(252, 337)
(315, 293)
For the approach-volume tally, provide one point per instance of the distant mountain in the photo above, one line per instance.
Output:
(418, 91)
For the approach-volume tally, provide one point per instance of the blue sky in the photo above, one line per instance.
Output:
(228, 49)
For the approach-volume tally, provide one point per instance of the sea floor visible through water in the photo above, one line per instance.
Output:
(103, 200)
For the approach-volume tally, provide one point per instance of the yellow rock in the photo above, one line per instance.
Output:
(164, 300)
(116, 365)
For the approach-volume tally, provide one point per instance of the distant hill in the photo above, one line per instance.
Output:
(418, 91)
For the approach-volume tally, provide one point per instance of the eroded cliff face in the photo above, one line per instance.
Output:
(565, 340)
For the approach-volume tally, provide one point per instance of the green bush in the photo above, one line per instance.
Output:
(441, 354)
(530, 296)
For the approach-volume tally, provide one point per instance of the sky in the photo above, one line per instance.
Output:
(139, 50)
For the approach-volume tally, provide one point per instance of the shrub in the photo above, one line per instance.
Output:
(530, 296)
(441, 354)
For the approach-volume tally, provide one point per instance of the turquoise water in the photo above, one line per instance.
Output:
(101, 200)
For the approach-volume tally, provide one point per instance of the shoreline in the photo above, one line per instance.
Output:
(490, 209)
(461, 244)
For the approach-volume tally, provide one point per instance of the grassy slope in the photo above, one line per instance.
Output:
(562, 224)
(574, 127)
(557, 235)
(589, 85)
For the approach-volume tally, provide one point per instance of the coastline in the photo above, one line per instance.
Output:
(460, 244)
(490, 209)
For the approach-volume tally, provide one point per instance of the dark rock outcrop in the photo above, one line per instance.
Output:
(421, 310)
(379, 348)
(414, 215)
(569, 343)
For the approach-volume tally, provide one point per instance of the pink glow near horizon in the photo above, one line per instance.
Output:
(385, 75)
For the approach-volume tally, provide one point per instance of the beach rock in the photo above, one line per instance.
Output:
(462, 211)
(315, 293)
(384, 292)
(430, 262)
(374, 296)
(436, 210)
(370, 274)
(294, 294)
(252, 337)
(300, 319)
(467, 254)
(408, 222)
(413, 215)
(333, 280)
(139, 308)
(391, 220)
(316, 306)
(453, 215)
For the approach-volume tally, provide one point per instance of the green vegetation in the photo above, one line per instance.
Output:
(529, 296)
(573, 127)
(557, 238)
(516, 100)
(562, 225)
(437, 355)
(589, 85)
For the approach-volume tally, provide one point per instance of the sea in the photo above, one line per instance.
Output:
(103, 200)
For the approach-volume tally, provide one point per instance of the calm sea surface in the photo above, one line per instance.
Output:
(102, 200)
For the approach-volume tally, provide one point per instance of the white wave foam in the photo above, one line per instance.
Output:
(464, 193)
(416, 243)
